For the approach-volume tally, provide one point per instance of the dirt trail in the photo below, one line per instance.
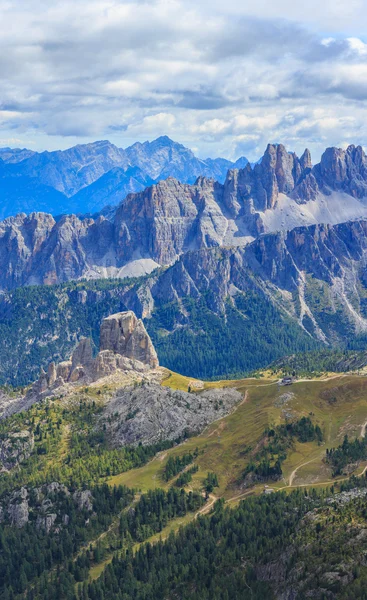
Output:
(363, 429)
(278, 382)
(293, 474)
(303, 380)
(206, 508)
(248, 493)
(322, 379)
(322, 483)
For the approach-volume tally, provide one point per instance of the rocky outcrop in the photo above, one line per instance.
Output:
(44, 505)
(343, 170)
(124, 345)
(125, 334)
(51, 374)
(82, 355)
(63, 370)
(42, 383)
(83, 500)
(278, 173)
(338, 171)
(151, 413)
(250, 190)
(18, 508)
(321, 250)
(15, 448)
(21, 240)
(168, 218)
(46, 522)
(107, 362)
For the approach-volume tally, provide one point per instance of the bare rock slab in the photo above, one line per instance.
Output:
(151, 413)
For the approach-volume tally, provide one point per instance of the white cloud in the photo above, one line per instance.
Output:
(358, 46)
(223, 77)
(153, 123)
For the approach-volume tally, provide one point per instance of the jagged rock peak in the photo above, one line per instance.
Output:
(165, 220)
(125, 334)
(278, 173)
(305, 160)
(344, 170)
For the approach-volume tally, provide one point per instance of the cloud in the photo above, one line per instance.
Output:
(223, 77)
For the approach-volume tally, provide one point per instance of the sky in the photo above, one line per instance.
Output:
(222, 77)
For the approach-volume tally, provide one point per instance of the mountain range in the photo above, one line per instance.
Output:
(86, 178)
(158, 225)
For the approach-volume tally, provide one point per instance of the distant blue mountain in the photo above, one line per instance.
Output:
(110, 189)
(22, 194)
(88, 177)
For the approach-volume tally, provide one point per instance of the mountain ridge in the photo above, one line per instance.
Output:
(70, 172)
(156, 226)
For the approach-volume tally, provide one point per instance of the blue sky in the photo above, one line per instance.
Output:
(224, 78)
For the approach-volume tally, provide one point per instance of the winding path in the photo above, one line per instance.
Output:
(206, 508)
(293, 474)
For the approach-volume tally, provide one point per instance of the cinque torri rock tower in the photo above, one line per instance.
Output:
(124, 345)
(125, 334)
